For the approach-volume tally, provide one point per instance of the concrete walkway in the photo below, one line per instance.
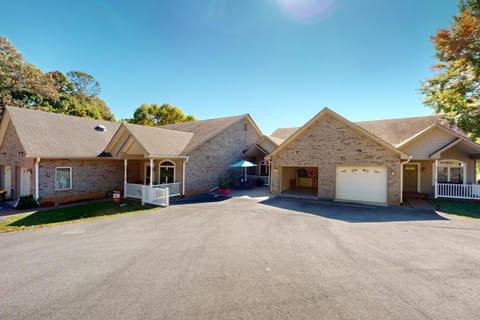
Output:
(256, 193)
(420, 204)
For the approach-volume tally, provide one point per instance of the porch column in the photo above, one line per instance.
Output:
(436, 177)
(151, 173)
(125, 163)
(183, 175)
(401, 182)
(269, 173)
(37, 179)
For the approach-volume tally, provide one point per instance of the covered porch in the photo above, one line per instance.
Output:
(151, 179)
(450, 172)
(154, 163)
(257, 154)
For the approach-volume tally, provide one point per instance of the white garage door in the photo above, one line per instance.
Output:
(362, 184)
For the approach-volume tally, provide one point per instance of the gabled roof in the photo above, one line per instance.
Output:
(51, 135)
(394, 131)
(276, 140)
(155, 142)
(327, 111)
(259, 145)
(284, 133)
(459, 139)
(205, 130)
(398, 131)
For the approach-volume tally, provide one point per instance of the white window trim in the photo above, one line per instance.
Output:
(161, 165)
(266, 164)
(71, 182)
(448, 171)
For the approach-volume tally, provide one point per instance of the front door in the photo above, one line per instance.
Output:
(24, 182)
(410, 178)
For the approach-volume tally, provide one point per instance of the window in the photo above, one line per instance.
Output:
(63, 178)
(450, 171)
(167, 172)
(264, 167)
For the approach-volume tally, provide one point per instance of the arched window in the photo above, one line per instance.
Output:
(167, 172)
(451, 171)
(264, 167)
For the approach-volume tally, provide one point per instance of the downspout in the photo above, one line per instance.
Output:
(37, 179)
(183, 175)
(401, 177)
(436, 178)
(125, 164)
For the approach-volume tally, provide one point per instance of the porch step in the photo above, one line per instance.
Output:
(415, 195)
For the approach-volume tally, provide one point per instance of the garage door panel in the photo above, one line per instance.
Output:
(361, 183)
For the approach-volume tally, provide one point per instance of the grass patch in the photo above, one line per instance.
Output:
(62, 215)
(461, 208)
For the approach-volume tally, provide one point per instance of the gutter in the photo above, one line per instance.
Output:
(37, 178)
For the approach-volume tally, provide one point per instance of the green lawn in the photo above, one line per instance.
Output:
(462, 208)
(62, 215)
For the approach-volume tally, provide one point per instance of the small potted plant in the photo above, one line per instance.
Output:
(226, 188)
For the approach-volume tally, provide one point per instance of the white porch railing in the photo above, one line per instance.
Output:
(133, 190)
(157, 194)
(458, 191)
(174, 188)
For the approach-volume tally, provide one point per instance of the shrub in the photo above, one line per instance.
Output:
(27, 202)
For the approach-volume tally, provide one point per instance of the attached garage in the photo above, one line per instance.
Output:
(361, 184)
(352, 164)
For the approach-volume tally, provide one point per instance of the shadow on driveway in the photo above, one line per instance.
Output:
(353, 213)
(200, 198)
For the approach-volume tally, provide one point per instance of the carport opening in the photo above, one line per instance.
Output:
(300, 181)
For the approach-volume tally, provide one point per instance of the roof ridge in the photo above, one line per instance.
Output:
(56, 114)
(404, 118)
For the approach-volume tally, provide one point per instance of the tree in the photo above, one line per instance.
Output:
(455, 88)
(83, 84)
(157, 115)
(21, 83)
(73, 99)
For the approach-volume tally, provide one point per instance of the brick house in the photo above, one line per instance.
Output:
(63, 158)
(374, 161)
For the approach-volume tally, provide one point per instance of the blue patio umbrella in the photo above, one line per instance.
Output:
(243, 164)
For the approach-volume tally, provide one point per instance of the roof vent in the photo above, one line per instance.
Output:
(100, 128)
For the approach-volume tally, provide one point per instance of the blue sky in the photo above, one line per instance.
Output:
(282, 61)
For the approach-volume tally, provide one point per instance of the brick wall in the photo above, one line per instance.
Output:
(327, 143)
(12, 154)
(210, 162)
(90, 179)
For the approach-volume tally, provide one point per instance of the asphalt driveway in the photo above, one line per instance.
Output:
(243, 259)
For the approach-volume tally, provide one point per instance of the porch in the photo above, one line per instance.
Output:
(154, 181)
(442, 178)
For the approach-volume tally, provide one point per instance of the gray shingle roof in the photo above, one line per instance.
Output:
(393, 131)
(159, 141)
(276, 140)
(396, 131)
(284, 133)
(52, 135)
(203, 130)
